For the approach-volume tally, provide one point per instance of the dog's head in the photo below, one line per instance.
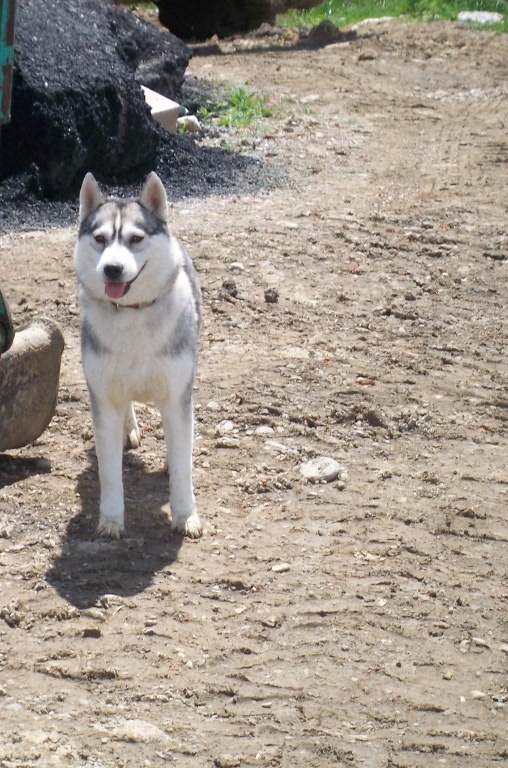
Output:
(123, 245)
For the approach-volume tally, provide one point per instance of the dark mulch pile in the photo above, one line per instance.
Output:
(186, 169)
(77, 106)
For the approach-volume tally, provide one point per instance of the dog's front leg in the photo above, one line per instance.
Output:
(177, 421)
(108, 429)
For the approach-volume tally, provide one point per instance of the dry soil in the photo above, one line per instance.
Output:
(358, 312)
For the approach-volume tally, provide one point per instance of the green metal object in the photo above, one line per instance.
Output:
(6, 326)
(7, 23)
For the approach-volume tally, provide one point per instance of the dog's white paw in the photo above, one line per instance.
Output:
(110, 528)
(132, 439)
(132, 434)
(189, 526)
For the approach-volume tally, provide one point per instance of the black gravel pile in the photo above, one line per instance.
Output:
(77, 106)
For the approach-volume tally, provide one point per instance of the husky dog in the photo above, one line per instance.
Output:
(140, 317)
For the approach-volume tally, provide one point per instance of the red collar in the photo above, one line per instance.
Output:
(133, 306)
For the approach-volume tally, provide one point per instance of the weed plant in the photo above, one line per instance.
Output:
(240, 108)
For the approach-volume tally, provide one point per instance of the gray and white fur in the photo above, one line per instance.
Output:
(140, 310)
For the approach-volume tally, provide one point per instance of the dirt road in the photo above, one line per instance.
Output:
(357, 313)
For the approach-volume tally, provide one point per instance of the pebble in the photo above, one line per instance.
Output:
(213, 406)
(322, 469)
(264, 430)
(271, 622)
(281, 448)
(225, 427)
(281, 568)
(92, 632)
(227, 442)
(227, 761)
(188, 123)
(236, 266)
(138, 731)
(271, 296)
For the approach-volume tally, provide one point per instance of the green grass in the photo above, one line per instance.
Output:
(240, 108)
(345, 12)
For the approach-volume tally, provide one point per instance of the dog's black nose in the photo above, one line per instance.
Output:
(113, 271)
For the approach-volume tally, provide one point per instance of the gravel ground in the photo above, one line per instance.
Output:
(356, 313)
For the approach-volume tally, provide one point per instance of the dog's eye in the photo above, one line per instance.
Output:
(136, 239)
(100, 239)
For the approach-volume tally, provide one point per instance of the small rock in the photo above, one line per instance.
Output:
(225, 427)
(227, 442)
(281, 448)
(188, 123)
(236, 266)
(480, 642)
(227, 761)
(321, 470)
(325, 33)
(96, 613)
(271, 296)
(229, 286)
(264, 430)
(367, 56)
(271, 622)
(213, 406)
(281, 568)
(92, 632)
(138, 731)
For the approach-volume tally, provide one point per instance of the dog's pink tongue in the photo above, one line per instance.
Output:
(115, 290)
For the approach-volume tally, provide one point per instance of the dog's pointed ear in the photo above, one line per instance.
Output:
(154, 198)
(90, 197)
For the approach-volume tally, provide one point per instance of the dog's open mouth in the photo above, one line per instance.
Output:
(115, 290)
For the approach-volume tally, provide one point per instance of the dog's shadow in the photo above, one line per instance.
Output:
(87, 568)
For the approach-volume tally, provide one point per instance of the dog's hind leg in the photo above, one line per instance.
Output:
(132, 435)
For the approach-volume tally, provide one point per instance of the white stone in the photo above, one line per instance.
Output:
(281, 448)
(320, 470)
(137, 731)
(188, 123)
(224, 427)
(264, 430)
